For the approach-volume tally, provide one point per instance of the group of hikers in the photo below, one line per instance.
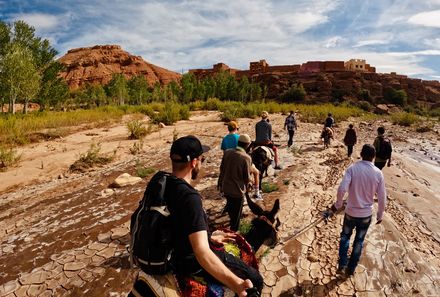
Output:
(194, 251)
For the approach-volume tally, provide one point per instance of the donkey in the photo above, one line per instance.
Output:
(327, 135)
(264, 227)
(263, 230)
(262, 157)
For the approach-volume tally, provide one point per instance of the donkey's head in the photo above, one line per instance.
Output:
(264, 227)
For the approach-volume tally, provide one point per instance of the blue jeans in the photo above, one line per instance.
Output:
(350, 223)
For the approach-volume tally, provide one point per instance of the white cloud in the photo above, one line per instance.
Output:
(40, 21)
(371, 42)
(334, 42)
(426, 18)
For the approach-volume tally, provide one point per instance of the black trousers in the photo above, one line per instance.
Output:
(238, 267)
(291, 133)
(380, 165)
(350, 150)
(234, 208)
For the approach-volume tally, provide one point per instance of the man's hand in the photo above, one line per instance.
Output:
(220, 237)
(378, 222)
(241, 288)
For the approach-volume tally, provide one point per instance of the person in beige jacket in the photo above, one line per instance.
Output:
(235, 174)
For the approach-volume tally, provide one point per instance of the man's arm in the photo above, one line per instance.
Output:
(343, 188)
(220, 177)
(212, 264)
(381, 199)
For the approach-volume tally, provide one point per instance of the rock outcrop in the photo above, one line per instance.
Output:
(97, 64)
(325, 85)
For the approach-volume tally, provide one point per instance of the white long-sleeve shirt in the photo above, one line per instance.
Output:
(362, 181)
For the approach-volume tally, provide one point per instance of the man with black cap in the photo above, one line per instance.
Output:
(235, 173)
(362, 181)
(192, 253)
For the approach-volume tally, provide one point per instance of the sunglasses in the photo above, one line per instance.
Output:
(202, 159)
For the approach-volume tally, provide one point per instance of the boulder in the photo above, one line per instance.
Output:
(125, 179)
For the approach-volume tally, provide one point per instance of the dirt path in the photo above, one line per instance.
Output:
(67, 236)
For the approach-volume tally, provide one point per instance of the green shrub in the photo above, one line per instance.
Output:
(144, 171)
(91, 158)
(172, 113)
(136, 129)
(365, 95)
(365, 105)
(393, 96)
(245, 227)
(137, 148)
(404, 118)
(295, 93)
(268, 187)
(8, 158)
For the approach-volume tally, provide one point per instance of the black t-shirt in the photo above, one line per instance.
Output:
(187, 217)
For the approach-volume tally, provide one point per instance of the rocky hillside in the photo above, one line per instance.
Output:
(324, 86)
(98, 63)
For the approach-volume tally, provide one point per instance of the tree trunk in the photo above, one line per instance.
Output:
(25, 106)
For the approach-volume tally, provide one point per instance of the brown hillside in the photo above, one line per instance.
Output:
(324, 85)
(98, 63)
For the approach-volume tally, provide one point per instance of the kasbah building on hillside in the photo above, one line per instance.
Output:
(261, 67)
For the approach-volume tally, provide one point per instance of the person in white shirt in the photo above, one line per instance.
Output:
(362, 181)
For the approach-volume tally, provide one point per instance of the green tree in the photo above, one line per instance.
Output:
(54, 89)
(118, 89)
(243, 87)
(393, 96)
(295, 93)
(138, 90)
(188, 84)
(19, 76)
(94, 94)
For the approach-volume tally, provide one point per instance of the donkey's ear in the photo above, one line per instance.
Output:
(275, 208)
(257, 210)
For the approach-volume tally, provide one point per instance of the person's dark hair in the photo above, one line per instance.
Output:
(329, 114)
(368, 152)
(381, 130)
(291, 112)
(350, 126)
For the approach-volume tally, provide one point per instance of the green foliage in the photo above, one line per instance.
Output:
(136, 129)
(144, 171)
(117, 89)
(404, 118)
(8, 158)
(434, 112)
(245, 227)
(337, 95)
(171, 113)
(91, 158)
(295, 93)
(54, 90)
(365, 95)
(268, 187)
(393, 96)
(138, 90)
(365, 105)
(19, 77)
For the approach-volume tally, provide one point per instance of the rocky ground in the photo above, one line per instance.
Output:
(65, 234)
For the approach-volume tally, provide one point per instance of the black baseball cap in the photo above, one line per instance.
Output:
(187, 148)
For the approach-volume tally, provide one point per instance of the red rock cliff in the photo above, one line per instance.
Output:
(98, 63)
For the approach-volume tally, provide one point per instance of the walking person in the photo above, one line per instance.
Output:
(231, 139)
(235, 174)
(291, 125)
(350, 139)
(383, 148)
(263, 136)
(362, 181)
(329, 121)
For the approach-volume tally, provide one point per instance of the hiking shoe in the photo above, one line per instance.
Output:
(278, 167)
(341, 270)
(349, 272)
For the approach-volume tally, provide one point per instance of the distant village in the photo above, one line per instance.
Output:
(261, 67)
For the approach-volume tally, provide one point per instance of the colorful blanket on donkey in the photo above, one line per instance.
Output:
(193, 287)
(200, 287)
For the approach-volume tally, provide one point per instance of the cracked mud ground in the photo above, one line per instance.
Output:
(66, 236)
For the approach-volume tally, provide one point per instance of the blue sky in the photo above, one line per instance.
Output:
(401, 36)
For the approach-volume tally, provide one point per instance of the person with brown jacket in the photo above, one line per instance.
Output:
(350, 139)
(235, 174)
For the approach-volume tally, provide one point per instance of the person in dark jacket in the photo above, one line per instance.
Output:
(350, 139)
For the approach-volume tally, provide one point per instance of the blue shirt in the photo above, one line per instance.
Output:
(230, 141)
(263, 131)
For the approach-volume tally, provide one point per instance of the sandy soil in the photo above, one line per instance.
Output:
(66, 234)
